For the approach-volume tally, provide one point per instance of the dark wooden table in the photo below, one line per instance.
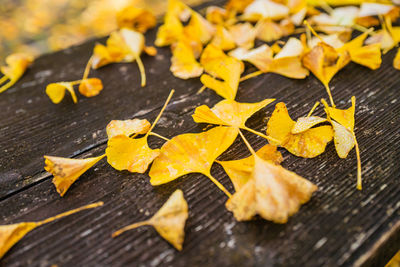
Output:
(339, 226)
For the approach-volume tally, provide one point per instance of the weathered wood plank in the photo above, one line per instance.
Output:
(339, 226)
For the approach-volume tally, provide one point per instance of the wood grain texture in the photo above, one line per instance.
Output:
(339, 226)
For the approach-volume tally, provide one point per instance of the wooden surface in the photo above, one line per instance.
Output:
(339, 226)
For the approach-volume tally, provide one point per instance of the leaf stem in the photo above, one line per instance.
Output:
(159, 136)
(251, 75)
(201, 90)
(218, 184)
(70, 212)
(269, 138)
(328, 90)
(161, 112)
(247, 143)
(313, 108)
(141, 69)
(359, 179)
(87, 68)
(129, 227)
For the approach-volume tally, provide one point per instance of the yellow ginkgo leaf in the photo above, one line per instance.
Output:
(342, 121)
(169, 221)
(216, 15)
(229, 112)
(261, 57)
(138, 19)
(223, 67)
(268, 30)
(127, 127)
(56, 91)
(10, 234)
(262, 9)
(324, 62)
(237, 5)
(172, 29)
(369, 55)
(191, 153)
(396, 60)
(239, 171)
(271, 191)
(183, 61)
(16, 66)
(243, 34)
(223, 39)
(305, 123)
(199, 28)
(66, 171)
(133, 154)
(307, 144)
(90, 87)
(123, 45)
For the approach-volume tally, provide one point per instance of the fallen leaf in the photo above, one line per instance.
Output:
(199, 28)
(243, 34)
(169, 221)
(239, 171)
(261, 9)
(183, 61)
(307, 144)
(90, 87)
(56, 91)
(66, 171)
(223, 39)
(223, 67)
(342, 121)
(133, 154)
(271, 191)
(127, 127)
(191, 153)
(396, 60)
(10, 234)
(16, 66)
(138, 19)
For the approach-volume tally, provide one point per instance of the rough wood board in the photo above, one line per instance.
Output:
(339, 226)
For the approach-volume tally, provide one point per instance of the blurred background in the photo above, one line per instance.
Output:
(40, 26)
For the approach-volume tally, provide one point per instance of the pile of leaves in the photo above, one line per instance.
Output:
(215, 48)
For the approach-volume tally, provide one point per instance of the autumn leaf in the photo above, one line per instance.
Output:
(191, 153)
(138, 19)
(224, 72)
(324, 62)
(133, 154)
(307, 144)
(271, 191)
(396, 60)
(183, 61)
(10, 234)
(16, 66)
(127, 127)
(90, 87)
(230, 113)
(342, 121)
(66, 171)
(239, 171)
(169, 221)
(223, 39)
(265, 9)
(56, 91)
(243, 34)
(199, 28)
(268, 30)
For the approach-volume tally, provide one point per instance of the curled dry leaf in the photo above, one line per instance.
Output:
(191, 153)
(268, 30)
(127, 127)
(261, 57)
(239, 171)
(237, 6)
(307, 144)
(90, 87)
(169, 221)
(66, 171)
(225, 72)
(56, 91)
(16, 66)
(10, 234)
(133, 154)
(199, 28)
(271, 191)
(388, 37)
(138, 19)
